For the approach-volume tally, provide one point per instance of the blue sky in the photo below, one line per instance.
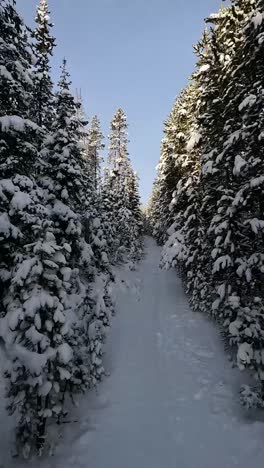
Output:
(135, 54)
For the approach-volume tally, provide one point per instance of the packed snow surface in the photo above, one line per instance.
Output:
(171, 397)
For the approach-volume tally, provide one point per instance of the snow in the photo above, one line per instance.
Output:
(62, 210)
(39, 300)
(244, 355)
(66, 272)
(65, 194)
(247, 102)
(173, 248)
(64, 374)
(65, 353)
(204, 68)
(6, 228)
(257, 181)
(7, 185)
(234, 327)
(239, 164)
(5, 73)
(45, 388)
(17, 123)
(33, 361)
(25, 75)
(208, 167)
(221, 263)
(104, 257)
(13, 318)
(23, 271)
(96, 223)
(20, 201)
(232, 138)
(171, 397)
(257, 19)
(193, 141)
(256, 224)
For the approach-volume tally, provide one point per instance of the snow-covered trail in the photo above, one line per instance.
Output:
(171, 397)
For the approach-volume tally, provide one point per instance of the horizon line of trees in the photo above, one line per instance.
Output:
(207, 204)
(62, 227)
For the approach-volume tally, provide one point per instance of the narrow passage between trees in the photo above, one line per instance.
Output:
(171, 397)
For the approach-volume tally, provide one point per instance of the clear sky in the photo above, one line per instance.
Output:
(135, 54)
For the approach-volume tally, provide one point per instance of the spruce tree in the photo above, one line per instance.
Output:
(115, 182)
(184, 233)
(52, 318)
(136, 223)
(43, 102)
(94, 147)
(18, 135)
(171, 166)
(70, 195)
(216, 236)
(23, 218)
(107, 203)
(119, 182)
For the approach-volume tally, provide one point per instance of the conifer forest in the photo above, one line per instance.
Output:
(132, 334)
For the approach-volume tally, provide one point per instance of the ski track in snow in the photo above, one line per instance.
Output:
(171, 396)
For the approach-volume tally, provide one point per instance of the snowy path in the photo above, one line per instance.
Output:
(171, 398)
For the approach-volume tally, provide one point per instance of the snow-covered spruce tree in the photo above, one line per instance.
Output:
(90, 145)
(231, 125)
(185, 233)
(39, 337)
(22, 222)
(222, 146)
(240, 292)
(118, 142)
(207, 124)
(43, 100)
(18, 135)
(152, 211)
(69, 193)
(217, 204)
(94, 147)
(66, 164)
(213, 51)
(107, 204)
(54, 350)
(168, 175)
(137, 215)
(98, 231)
(118, 181)
(97, 223)
(247, 329)
(223, 164)
(230, 119)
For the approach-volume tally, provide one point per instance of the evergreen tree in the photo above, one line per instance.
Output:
(119, 181)
(95, 220)
(136, 222)
(184, 233)
(18, 134)
(94, 147)
(238, 254)
(38, 337)
(23, 215)
(107, 203)
(53, 324)
(43, 105)
(169, 169)
(71, 197)
(216, 236)
(118, 150)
